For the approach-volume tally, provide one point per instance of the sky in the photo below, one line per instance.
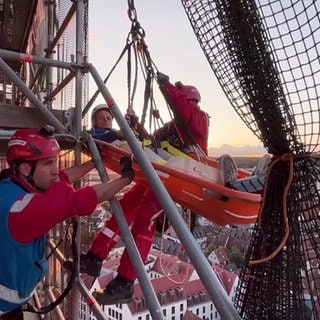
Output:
(175, 51)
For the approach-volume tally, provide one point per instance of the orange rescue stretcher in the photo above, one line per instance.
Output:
(206, 197)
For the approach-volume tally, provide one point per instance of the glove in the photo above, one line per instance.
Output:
(132, 119)
(162, 78)
(126, 168)
(179, 84)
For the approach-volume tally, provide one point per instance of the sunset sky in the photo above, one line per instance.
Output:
(175, 51)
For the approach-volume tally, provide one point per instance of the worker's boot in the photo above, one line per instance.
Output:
(90, 264)
(119, 290)
(228, 172)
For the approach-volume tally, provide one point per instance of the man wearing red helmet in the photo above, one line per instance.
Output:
(190, 126)
(140, 205)
(31, 183)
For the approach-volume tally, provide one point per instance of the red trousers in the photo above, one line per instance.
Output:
(141, 209)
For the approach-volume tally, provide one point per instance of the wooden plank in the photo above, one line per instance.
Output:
(14, 117)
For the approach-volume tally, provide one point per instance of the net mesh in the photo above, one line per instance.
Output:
(265, 55)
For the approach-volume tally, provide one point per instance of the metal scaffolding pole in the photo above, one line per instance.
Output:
(30, 95)
(55, 40)
(217, 293)
(126, 236)
(75, 297)
(92, 303)
(18, 56)
(49, 76)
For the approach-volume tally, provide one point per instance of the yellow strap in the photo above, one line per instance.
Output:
(174, 151)
(147, 142)
(168, 147)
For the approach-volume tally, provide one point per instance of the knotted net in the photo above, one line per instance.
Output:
(265, 55)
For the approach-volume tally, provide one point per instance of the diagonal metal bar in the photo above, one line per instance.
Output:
(127, 238)
(218, 295)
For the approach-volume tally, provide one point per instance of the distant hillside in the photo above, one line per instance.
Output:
(246, 162)
(251, 151)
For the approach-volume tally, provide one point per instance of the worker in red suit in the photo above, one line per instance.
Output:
(140, 206)
(34, 197)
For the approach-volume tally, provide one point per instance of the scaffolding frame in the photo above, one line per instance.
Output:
(77, 70)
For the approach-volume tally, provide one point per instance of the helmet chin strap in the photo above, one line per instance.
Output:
(30, 176)
(28, 181)
(23, 183)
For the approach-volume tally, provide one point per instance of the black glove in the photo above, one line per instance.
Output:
(179, 84)
(126, 168)
(132, 120)
(162, 78)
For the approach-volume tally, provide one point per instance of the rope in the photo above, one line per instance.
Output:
(42, 81)
(287, 157)
(95, 95)
(51, 306)
(160, 259)
(136, 48)
(147, 67)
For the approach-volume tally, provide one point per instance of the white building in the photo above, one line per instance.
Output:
(178, 288)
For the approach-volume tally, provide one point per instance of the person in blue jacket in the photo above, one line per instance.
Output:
(102, 119)
(32, 181)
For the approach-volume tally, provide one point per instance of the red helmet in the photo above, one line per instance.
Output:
(191, 93)
(29, 144)
(96, 109)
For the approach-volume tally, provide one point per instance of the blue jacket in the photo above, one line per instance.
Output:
(107, 135)
(22, 265)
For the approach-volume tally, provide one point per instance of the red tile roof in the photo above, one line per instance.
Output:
(226, 278)
(190, 316)
(172, 265)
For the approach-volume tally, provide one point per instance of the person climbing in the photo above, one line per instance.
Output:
(140, 206)
(189, 129)
(31, 182)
